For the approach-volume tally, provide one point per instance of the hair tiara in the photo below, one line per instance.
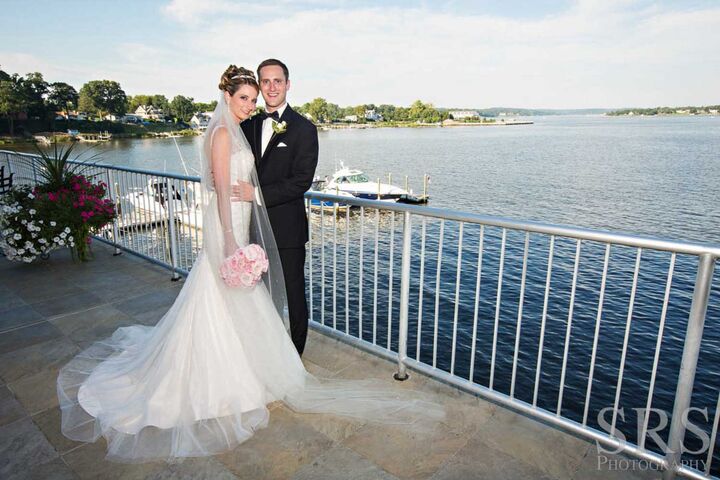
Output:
(243, 76)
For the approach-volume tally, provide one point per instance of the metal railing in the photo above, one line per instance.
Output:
(517, 312)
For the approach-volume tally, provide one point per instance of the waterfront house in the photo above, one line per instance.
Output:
(149, 112)
(200, 120)
(350, 118)
(462, 114)
(373, 116)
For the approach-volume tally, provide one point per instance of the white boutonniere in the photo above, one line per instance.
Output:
(279, 127)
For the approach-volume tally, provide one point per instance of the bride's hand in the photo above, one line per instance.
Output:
(242, 192)
(231, 245)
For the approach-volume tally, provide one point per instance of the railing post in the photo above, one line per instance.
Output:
(34, 168)
(404, 299)
(691, 350)
(114, 195)
(170, 198)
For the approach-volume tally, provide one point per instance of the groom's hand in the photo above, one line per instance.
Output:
(242, 192)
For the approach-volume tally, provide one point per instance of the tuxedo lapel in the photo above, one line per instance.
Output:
(257, 133)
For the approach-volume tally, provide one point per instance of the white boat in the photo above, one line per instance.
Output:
(149, 205)
(359, 185)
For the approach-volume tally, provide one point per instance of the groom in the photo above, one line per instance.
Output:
(285, 145)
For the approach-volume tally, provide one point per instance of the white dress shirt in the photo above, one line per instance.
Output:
(267, 130)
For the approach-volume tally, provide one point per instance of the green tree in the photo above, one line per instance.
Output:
(181, 107)
(136, 100)
(35, 89)
(160, 102)
(204, 107)
(318, 110)
(62, 97)
(102, 96)
(12, 98)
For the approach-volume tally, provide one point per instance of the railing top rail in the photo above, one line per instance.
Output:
(531, 226)
(156, 173)
(630, 240)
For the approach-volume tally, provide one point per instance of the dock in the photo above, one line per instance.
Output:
(52, 309)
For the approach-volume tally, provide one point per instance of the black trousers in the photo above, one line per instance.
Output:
(293, 264)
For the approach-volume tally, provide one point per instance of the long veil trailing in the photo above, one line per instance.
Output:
(198, 383)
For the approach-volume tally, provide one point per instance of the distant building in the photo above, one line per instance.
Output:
(350, 118)
(463, 114)
(131, 118)
(713, 111)
(682, 111)
(200, 120)
(373, 116)
(148, 112)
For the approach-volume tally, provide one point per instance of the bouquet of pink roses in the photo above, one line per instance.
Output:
(244, 267)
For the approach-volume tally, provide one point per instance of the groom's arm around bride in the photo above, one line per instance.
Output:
(285, 145)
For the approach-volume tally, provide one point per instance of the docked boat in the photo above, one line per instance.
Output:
(358, 184)
(148, 206)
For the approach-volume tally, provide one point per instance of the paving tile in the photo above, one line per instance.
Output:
(35, 358)
(49, 288)
(26, 336)
(478, 461)
(551, 450)
(36, 392)
(417, 450)
(606, 466)
(193, 469)
(278, 451)
(18, 317)
(93, 324)
(23, 446)
(55, 470)
(88, 462)
(157, 299)
(331, 354)
(48, 422)
(8, 299)
(341, 462)
(10, 408)
(68, 304)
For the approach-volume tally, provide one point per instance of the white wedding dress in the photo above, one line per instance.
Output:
(199, 382)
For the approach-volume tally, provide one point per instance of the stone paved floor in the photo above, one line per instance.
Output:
(50, 310)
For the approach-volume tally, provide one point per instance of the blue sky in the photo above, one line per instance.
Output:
(536, 54)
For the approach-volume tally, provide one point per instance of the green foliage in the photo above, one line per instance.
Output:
(182, 108)
(62, 97)
(101, 97)
(56, 167)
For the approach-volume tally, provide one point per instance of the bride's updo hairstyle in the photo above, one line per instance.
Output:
(234, 77)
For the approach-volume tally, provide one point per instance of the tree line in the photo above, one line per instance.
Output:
(30, 96)
(703, 110)
(321, 111)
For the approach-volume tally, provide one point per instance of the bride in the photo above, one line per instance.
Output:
(199, 382)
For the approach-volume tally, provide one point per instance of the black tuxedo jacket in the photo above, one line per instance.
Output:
(285, 171)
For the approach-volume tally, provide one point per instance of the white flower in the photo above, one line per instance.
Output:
(56, 239)
(23, 221)
(27, 259)
(32, 211)
(61, 242)
(33, 235)
(52, 224)
(21, 251)
(70, 238)
(67, 230)
(42, 241)
(30, 195)
(279, 127)
(28, 244)
(63, 234)
(41, 221)
(17, 236)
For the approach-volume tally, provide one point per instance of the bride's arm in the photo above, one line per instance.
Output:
(221, 149)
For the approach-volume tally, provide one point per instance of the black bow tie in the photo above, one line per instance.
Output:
(274, 115)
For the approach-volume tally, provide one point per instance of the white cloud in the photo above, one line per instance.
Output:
(596, 53)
